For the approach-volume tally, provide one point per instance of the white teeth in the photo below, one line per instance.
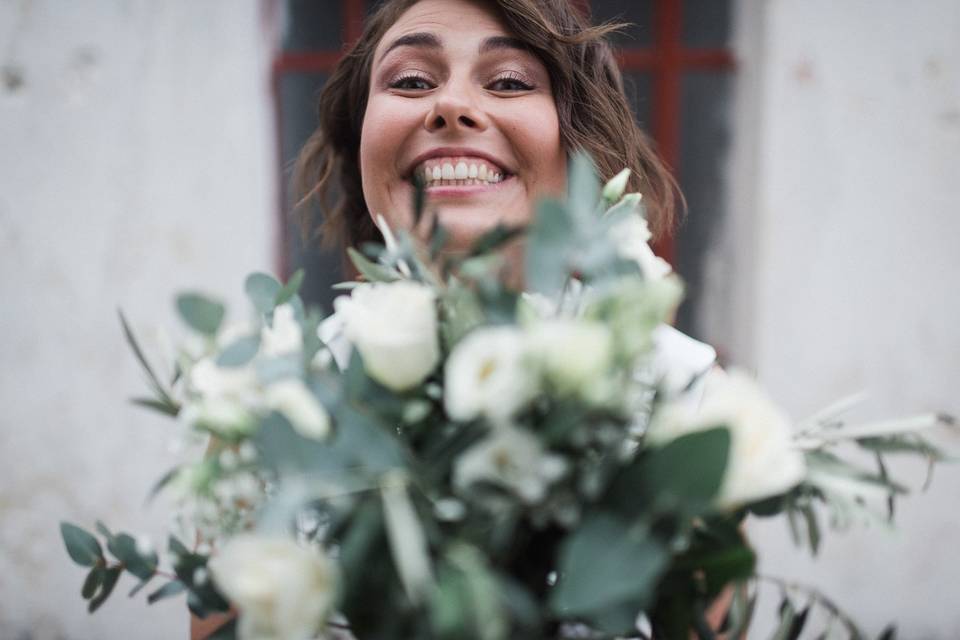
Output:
(437, 174)
(482, 172)
(472, 172)
(460, 171)
(447, 173)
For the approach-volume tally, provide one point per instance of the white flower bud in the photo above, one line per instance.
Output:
(616, 186)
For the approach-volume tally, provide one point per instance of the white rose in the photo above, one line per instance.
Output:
(487, 374)
(573, 354)
(209, 380)
(394, 327)
(282, 590)
(763, 460)
(513, 459)
(294, 400)
(221, 415)
(631, 237)
(284, 336)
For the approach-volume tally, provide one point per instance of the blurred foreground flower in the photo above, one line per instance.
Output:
(763, 459)
(283, 591)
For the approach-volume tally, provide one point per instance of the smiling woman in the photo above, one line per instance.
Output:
(485, 100)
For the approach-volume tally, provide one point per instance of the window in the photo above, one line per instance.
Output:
(678, 73)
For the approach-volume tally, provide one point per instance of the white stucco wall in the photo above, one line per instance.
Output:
(136, 159)
(846, 206)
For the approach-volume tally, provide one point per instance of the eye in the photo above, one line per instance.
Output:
(412, 82)
(510, 82)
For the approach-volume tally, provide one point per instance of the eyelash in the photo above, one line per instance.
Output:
(510, 76)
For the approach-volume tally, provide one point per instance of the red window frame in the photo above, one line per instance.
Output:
(667, 60)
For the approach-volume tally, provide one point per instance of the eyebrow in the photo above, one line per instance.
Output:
(427, 40)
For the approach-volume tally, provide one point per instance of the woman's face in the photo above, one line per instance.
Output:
(455, 98)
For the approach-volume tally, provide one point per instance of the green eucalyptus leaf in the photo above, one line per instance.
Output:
(168, 590)
(124, 548)
(551, 243)
(110, 578)
(370, 270)
(202, 314)
(82, 547)
(605, 562)
(93, 581)
(239, 352)
(262, 289)
(291, 288)
(667, 475)
(583, 191)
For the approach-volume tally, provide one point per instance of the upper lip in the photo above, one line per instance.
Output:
(444, 152)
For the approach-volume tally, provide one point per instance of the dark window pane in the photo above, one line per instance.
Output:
(312, 24)
(638, 86)
(637, 12)
(706, 23)
(298, 94)
(704, 141)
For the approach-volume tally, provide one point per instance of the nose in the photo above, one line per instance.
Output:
(454, 110)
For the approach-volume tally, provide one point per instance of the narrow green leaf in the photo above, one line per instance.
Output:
(419, 197)
(103, 530)
(140, 585)
(162, 482)
(888, 633)
(168, 590)
(141, 358)
(110, 578)
(239, 352)
(583, 191)
(93, 581)
(372, 271)
(166, 407)
(201, 313)
(262, 289)
(494, 239)
(291, 288)
(813, 527)
(82, 547)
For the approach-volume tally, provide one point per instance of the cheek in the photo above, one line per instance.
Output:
(536, 133)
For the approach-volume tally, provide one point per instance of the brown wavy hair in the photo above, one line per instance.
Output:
(588, 91)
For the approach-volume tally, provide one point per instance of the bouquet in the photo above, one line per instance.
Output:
(447, 457)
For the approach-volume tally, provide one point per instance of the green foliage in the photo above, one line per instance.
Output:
(263, 290)
(202, 314)
(290, 289)
(124, 548)
(604, 563)
(240, 352)
(82, 547)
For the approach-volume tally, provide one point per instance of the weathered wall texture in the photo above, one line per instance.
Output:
(847, 215)
(136, 159)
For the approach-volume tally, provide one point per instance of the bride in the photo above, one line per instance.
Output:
(484, 100)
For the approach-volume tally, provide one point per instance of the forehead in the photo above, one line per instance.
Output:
(452, 21)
